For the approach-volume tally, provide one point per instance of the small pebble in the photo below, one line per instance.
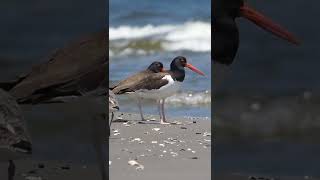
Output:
(32, 172)
(65, 167)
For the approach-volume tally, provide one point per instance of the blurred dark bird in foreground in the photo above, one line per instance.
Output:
(79, 69)
(14, 139)
(225, 30)
(75, 70)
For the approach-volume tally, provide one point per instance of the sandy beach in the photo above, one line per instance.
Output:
(242, 176)
(180, 151)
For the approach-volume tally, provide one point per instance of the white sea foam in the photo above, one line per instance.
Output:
(191, 36)
(134, 32)
(199, 98)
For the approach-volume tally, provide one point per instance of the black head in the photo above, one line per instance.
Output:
(227, 8)
(225, 31)
(156, 67)
(178, 62)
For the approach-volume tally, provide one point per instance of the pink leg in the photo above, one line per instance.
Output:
(163, 119)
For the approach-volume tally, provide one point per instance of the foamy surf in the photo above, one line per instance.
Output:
(141, 40)
(201, 98)
(193, 98)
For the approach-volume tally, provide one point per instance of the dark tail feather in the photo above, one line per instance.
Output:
(7, 86)
(24, 146)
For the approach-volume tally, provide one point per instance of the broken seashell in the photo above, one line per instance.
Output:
(135, 163)
(174, 154)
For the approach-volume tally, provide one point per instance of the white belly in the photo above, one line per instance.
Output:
(165, 91)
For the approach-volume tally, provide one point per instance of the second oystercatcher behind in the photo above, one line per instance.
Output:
(161, 85)
(123, 86)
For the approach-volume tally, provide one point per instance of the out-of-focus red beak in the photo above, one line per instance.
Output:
(267, 24)
(162, 70)
(194, 69)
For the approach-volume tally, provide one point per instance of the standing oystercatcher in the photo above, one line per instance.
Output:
(225, 30)
(131, 81)
(161, 85)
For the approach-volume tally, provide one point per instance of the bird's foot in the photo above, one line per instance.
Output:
(164, 122)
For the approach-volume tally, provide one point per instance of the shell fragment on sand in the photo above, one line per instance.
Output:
(135, 163)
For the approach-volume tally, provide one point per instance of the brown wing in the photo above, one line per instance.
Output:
(152, 81)
(65, 65)
(129, 82)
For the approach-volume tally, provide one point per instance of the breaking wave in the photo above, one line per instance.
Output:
(202, 98)
(195, 98)
(190, 36)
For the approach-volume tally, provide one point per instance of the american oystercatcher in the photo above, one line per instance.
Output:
(161, 85)
(14, 139)
(225, 30)
(72, 71)
(123, 86)
(77, 70)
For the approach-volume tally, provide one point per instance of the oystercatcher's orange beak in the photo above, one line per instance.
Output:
(267, 24)
(194, 69)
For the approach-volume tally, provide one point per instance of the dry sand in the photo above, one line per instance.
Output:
(180, 151)
(242, 176)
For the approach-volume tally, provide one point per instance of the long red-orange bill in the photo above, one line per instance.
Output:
(190, 66)
(267, 24)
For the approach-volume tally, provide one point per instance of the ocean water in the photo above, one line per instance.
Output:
(145, 31)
